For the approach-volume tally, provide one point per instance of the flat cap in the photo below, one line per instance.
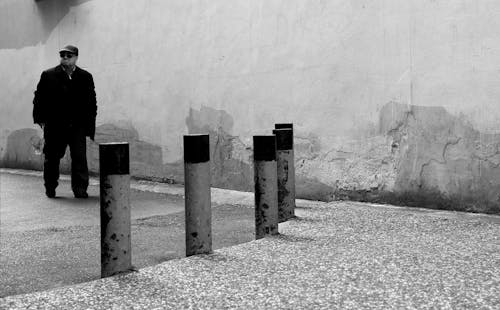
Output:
(70, 49)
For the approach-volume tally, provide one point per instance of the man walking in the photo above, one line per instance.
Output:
(65, 107)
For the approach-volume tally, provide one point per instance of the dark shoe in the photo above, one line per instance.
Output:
(81, 195)
(50, 192)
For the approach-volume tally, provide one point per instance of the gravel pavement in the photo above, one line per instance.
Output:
(342, 255)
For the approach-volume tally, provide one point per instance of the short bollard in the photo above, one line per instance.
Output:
(266, 186)
(116, 254)
(286, 174)
(197, 194)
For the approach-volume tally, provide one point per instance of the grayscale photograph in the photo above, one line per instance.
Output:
(249, 154)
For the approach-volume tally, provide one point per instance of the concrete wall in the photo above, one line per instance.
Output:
(391, 100)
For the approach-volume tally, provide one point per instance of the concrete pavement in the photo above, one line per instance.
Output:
(341, 255)
(24, 205)
(48, 243)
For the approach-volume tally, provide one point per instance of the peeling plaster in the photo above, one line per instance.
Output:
(145, 158)
(421, 156)
(229, 169)
(23, 150)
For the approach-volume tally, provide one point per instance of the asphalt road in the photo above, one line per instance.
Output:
(47, 243)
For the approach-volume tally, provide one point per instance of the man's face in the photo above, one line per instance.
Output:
(68, 59)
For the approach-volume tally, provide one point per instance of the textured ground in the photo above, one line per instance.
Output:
(49, 243)
(337, 255)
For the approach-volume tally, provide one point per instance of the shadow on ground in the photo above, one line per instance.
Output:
(42, 259)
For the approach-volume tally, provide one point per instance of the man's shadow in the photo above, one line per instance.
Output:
(70, 200)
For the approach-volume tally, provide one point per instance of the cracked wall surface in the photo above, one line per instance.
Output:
(393, 101)
(230, 159)
(145, 157)
(442, 156)
(25, 150)
(422, 156)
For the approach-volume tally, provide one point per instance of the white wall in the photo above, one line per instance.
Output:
(327, 66)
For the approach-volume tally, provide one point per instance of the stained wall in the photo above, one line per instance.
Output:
(391, 100)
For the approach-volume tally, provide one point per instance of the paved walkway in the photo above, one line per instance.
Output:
(342, 255)
(48, 243)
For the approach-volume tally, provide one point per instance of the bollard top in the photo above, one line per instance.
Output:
(264, 148)
(196, 148)
(114, 158)
(283, 125)
(112, 143)
(284, 139)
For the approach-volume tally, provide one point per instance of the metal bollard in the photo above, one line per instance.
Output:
(197, 194)
(284, 126)
(266, 186)
(286, 174)
(116, 249)
(291, 166)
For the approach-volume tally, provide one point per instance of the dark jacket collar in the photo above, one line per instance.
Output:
(59, 68)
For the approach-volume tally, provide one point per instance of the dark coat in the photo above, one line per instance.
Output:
(61, 101)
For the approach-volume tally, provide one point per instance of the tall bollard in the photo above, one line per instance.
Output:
(286, 174)
(266, 186)
(116, 249)
(197, 194)
(291, 167)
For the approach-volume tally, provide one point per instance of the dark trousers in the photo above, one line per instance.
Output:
(57, 138)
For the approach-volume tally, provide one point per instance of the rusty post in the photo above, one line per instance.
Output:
(290, 185)
(286, 174)
(266, 186)
(116, 249)
(197, 194)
